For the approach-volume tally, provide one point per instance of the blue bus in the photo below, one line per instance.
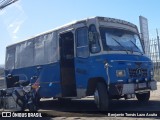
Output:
(100, 56)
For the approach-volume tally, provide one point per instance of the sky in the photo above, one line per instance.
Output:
(27, 18)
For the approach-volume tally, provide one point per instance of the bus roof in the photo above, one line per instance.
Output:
(106, 19)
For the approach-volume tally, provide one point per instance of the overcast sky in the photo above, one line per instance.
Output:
(27, 18)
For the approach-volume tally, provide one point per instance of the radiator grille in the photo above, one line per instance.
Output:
(133, 73)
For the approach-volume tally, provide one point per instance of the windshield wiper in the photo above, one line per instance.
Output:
(120, 45)
(136, 47)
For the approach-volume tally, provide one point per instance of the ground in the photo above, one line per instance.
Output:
(86, 109)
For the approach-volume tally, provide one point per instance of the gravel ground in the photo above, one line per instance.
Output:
(61, 111)
(154, 96)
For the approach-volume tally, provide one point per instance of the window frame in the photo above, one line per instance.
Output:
(97, 40)
(104, 44)
(76, 42)
(6, 55)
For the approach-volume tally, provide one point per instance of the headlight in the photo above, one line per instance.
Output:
(120, 73)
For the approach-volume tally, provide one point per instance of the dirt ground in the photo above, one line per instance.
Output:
(85, 109)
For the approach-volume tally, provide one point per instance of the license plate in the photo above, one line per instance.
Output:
(142, 85)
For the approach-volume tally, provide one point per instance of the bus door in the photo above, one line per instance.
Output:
(82, 66)
(67, 68)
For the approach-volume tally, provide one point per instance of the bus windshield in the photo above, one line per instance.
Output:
(120, 40)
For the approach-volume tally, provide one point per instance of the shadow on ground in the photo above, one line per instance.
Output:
(87, 108)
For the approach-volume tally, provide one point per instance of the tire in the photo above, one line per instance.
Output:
(143, 97)
(101, 97)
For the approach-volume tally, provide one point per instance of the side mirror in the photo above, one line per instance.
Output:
(91, 36)
(9, 76)
(97, 35)
(93, 39)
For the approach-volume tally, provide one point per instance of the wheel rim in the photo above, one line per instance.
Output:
(96, 98)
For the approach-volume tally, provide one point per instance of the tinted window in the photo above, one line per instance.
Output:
(82, 37)
(37, 51)
(10, 58)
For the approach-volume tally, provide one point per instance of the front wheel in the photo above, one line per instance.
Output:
(143, 97)
(101, 97)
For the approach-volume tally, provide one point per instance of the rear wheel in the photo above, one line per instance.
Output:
(143, 97)
(101, 97)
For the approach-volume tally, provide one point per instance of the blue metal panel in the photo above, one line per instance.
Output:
(82, 71)
(94, 67)
(85, 68)
(49, 78)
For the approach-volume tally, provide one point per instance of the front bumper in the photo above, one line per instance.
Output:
(132, 88)
(139, 87)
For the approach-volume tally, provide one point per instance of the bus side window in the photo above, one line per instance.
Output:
(94, 45)
(82, 42)
(10, 58)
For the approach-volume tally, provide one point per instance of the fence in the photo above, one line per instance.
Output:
(154, 54)
(2, 83)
